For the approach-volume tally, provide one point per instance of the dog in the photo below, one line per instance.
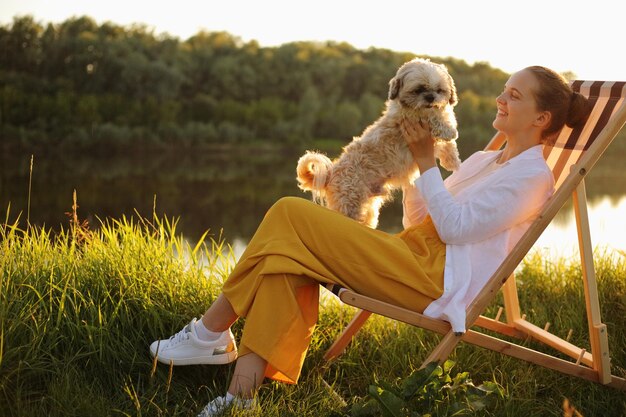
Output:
(362, 178)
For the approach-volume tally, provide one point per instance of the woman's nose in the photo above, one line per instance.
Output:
(500, 98)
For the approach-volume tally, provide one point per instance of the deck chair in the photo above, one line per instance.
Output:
(571, 158)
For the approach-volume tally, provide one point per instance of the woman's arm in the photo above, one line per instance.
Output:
(516, 197)
(414, 208)
(421, 144)
(491, 210)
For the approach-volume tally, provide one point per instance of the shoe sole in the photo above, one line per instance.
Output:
(221, 359)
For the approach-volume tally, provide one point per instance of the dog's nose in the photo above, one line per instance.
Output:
(429, 98)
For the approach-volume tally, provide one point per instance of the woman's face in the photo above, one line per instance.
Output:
(517, 109)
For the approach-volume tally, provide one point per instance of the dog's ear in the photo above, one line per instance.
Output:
(453, 96)
(394, 87)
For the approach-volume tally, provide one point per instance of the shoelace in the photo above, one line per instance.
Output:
(220, 404)
(217, 405)
(180, 336)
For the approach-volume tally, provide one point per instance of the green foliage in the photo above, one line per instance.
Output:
(430, 391)
(78, 310)
(61, 82)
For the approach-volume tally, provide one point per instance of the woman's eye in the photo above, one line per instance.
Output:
(511, 95)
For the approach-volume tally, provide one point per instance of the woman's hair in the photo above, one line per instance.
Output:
(556, 96)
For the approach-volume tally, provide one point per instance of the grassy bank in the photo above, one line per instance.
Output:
(79, 309)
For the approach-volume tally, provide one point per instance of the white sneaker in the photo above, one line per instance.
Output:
(221, 404)
(185, 348)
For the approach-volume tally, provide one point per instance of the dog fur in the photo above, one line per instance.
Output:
(361, 179)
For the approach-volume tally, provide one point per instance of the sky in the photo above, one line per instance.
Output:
(584, 37)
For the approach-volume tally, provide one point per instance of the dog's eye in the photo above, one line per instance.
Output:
(420, 90)
(440, 91)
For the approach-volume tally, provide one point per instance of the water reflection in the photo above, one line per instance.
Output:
(229, 191)
(607, 224)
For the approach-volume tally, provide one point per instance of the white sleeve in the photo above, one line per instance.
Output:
(514, 198)
(414, 208)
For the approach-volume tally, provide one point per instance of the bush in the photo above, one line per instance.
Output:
(431, 391)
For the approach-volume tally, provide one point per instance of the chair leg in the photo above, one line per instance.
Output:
(344, 338)
(511, 300)
(443, 349)
(597, 330)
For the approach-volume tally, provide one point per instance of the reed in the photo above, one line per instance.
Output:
(30, 187)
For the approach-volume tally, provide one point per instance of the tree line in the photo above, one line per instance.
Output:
(77, 84)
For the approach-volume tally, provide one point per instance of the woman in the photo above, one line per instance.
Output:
(456, 234)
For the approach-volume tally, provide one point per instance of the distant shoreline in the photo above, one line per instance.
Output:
(259, 145)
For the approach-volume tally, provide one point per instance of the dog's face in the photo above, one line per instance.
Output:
(423, 84)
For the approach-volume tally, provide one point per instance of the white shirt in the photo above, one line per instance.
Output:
(480, 214)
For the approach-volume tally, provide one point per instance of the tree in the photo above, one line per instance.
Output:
(308, 109)
(132, 84)
(21, 45)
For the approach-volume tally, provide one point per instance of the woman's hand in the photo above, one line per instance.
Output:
(420, 142)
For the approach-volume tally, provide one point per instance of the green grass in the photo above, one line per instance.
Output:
(78, 310)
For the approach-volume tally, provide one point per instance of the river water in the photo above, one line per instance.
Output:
(228, 192)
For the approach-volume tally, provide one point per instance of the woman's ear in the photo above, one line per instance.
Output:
(543, 119)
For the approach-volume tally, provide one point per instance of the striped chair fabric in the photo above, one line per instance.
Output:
(607, 98)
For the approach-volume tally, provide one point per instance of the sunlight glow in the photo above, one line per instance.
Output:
(536, 32)
(607, 224)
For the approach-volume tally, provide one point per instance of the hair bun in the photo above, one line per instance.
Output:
(579, 109)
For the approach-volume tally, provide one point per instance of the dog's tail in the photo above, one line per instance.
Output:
(313, 171)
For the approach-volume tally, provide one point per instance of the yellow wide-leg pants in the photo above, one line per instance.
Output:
(299, 244)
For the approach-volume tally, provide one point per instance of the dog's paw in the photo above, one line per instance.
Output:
(448, 155)
(451, 163)
(443, 127)
(445, 132)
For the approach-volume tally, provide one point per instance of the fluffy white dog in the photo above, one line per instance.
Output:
(361, 179)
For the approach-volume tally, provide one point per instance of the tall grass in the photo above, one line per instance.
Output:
(79, 308)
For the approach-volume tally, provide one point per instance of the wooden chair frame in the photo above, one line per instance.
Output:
(594, 365)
